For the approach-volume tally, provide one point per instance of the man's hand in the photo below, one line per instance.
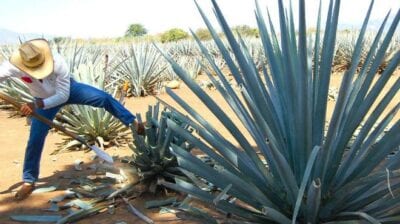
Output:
(27, 108)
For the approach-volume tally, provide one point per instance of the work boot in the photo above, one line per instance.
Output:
(24, 192)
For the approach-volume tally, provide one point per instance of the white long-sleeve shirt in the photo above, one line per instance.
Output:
(54, 89)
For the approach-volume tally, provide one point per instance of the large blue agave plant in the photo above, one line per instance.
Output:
(313, 174)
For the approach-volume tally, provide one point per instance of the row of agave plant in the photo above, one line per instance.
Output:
(346, 43)
(147, 71)
(313, 173)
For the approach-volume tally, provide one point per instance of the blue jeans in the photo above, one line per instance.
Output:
(79, 94)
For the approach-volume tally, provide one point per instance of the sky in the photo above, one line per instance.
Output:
(110, 18)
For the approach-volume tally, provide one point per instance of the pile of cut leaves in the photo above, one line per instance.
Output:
(105, 190)
(102, 191)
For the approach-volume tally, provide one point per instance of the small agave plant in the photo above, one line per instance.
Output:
(190, 64)
(182, 48)
(6, 51)
(346, 41)
(16, 89)
(390, 53)
(142, 65)
(300, 170)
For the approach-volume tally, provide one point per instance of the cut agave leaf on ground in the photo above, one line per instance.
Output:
(78, 165)
(160, 203)
(44, 189)
(118, 177)
(67, 194)
(83, 213)
(68, 145)
(197, 214)
(53, 208)
(36, 218)
(166, 210)
(80, 204)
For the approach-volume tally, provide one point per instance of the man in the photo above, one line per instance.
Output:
(49, 81)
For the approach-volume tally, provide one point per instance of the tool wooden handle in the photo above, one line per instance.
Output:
(39, 117)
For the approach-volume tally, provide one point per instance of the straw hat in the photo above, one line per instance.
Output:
(34, 57)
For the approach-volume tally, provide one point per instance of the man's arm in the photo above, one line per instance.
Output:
(62, 85)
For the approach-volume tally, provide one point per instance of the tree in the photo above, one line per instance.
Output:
(135, 30)
(203, 34)
(174, 34)
(58, 40)
(246, 30)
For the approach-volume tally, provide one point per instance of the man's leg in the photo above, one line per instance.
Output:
(87, 95)
(33, 152)
(35, 145)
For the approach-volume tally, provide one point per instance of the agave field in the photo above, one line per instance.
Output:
(296, 150)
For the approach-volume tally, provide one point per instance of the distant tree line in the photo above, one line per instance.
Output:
(137, 30)
(176, 34)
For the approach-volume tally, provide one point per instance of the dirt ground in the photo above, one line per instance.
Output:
(13, 137)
